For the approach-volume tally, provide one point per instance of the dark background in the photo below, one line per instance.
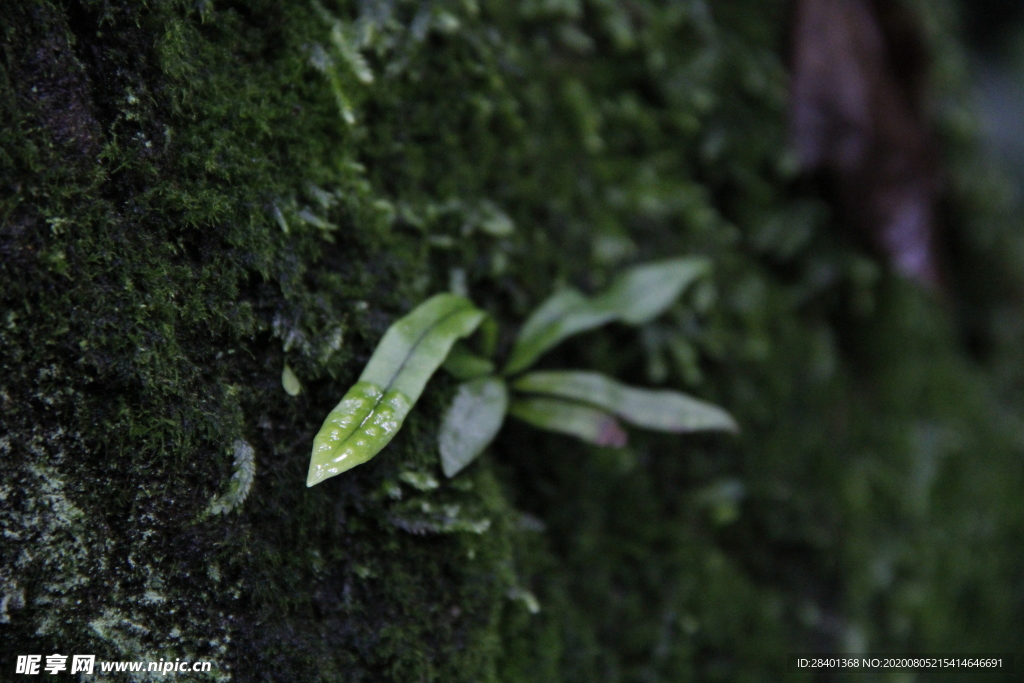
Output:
(995, 34)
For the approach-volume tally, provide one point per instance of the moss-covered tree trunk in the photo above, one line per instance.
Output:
(195, 195)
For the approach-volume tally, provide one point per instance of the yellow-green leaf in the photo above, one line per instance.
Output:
(373, 410)
(638, 296)
(668, 411)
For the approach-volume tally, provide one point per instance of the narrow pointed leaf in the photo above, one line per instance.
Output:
(373, 410)
(563, 314)
(575, 419)
(465, 365)
(472, 422)
(638, 296)
(667, 411)
(643, 293)
(291, 383)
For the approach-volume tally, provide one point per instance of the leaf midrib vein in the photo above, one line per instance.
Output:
(401, 366)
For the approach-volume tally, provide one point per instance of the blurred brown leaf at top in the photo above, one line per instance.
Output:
(856, 117)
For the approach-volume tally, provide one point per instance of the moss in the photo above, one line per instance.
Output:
(197, 194)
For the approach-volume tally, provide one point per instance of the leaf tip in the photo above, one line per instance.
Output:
(312, 478)
(726, 423)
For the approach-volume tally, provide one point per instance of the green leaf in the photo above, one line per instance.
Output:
(564, 314)
(575, 419)
(636, 297)
(472, 422)
(643, 293)
(373, 410)
(464, 364)
(291, 383)
(350, 53)
(667, 411)
(488, 337)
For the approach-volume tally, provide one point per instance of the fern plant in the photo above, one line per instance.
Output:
(587, 405)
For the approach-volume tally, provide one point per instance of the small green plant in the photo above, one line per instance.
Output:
(241, 480)
(586, 405)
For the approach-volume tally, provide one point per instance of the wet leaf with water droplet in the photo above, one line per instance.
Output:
(373, 410)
